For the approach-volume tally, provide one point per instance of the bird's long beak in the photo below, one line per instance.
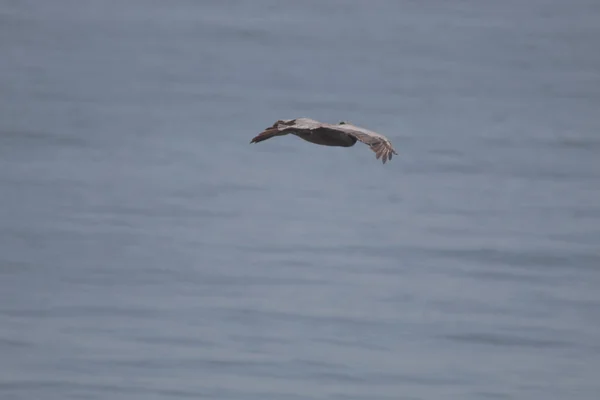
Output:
(268, 133)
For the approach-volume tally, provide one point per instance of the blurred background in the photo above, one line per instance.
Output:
(147, 251)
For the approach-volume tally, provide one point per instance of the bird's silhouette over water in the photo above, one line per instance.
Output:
(343, 135)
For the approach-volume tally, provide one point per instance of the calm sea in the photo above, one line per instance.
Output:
(148, 251)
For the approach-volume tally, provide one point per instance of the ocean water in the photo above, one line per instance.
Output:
(148, 251)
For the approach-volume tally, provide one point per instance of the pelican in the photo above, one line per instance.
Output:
(343, 134)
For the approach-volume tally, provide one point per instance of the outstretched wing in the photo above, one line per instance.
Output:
(378, 143)
(284, 127)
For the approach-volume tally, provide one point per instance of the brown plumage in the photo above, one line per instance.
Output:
(343, 135)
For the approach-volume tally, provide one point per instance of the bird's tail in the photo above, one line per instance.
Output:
(267, 134)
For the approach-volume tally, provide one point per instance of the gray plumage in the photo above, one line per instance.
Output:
(342, 135)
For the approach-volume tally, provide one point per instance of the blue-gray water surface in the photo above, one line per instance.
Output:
(148, 251)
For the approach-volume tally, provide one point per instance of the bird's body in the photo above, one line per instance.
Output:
(341, 135)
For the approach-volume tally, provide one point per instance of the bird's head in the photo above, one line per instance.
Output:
(276, 124)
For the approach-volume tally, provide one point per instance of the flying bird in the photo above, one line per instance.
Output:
(343, 134)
